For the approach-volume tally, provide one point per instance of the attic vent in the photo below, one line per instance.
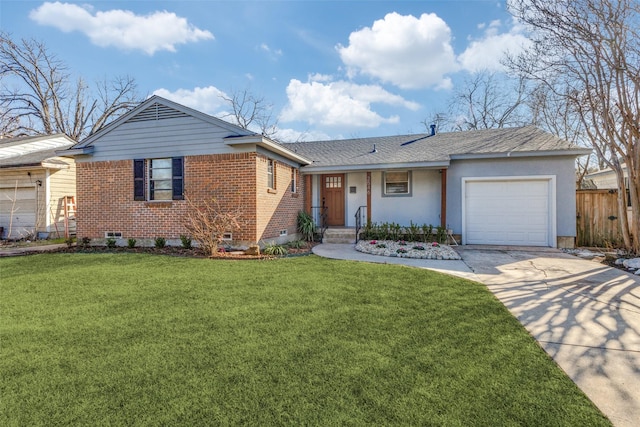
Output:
(157, 112)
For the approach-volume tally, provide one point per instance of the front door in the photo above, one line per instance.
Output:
(333, 198)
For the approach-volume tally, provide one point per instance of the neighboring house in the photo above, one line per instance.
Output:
(34, 182)
(605, 179)
(140, 175)
(511, 186)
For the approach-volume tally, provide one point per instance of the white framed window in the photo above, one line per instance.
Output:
(160, 187)
(396, 183)
(227, 237)
(271, 182)
(158, 179)
(112, 235)
(294, 180)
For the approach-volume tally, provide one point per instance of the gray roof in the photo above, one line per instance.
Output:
(33, 150)
(426, 150)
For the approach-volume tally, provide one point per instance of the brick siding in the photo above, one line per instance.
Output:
(237, 181)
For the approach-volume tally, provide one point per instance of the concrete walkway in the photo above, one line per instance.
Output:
(585, 315)
(26, 250)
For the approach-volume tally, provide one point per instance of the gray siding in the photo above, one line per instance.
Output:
(563, 168)
(184, 136)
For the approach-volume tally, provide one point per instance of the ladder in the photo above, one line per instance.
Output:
(69, 214)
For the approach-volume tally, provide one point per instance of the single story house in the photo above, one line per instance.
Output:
(513, 186)
(137, 176)
(34, 184)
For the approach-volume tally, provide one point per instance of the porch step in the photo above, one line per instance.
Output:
(339, 235)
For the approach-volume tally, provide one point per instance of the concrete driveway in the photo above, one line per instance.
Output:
(584, 314)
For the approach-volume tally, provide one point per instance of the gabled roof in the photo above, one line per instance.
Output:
(34, 151)
(426, 150)
(157, 106)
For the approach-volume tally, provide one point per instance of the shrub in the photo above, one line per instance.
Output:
(131, 243)
(69, 241)
(111, 242)
(186, 241)
(274, 249)
(208, 221)
(85, 242)
(297, 244)
(306, 226)
(160, 242)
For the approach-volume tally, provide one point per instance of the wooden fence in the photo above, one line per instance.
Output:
(597, 218)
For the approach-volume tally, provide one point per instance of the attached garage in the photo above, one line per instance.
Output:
(516, 211)
(18, 212)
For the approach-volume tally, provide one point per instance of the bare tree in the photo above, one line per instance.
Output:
(251, 112)
(489, 100)
(39, 96)
(588, 53)
(554, 114)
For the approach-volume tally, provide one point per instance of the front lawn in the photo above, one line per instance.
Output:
(132, 339)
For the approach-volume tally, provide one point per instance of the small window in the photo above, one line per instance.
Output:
(397, 183)
(227, 237)
(160, 185)
(270, 174)
(158, 179)
(112, 235)
(294, 180)
(333, 181)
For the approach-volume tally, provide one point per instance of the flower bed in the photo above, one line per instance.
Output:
(404, 249)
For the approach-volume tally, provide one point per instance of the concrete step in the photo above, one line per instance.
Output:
(339, 235)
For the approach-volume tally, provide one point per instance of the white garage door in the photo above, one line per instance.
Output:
(21, 206)
(513, 212)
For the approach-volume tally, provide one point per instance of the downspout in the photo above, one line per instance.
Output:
(443, 198)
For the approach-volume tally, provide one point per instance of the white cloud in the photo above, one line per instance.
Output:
(403, 50)
(339, 104)
(121, 28)
(486, 53)
(208, 99)
(273, 54)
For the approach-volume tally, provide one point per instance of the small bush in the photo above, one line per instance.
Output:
(111, 242)
(69, 241)
(85, 242)
(186, 241)
(273, 249)
(131, 243)
(297, 244)
(306, 225)
(160, 242)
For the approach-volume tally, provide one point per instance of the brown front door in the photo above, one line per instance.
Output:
(333, 198)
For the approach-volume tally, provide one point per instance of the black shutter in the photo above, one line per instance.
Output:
(177, 165)
(138, 179)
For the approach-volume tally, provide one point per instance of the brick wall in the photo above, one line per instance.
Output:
(278, 208)
(237, 181)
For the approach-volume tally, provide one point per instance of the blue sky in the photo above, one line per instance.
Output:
(331, 69)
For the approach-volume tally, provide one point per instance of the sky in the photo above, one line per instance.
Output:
(329, 69)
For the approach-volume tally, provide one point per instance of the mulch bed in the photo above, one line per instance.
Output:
(182, 252)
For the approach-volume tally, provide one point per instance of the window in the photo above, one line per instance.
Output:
(333, 182)
(294, 180)
(397, 183)
(158, 179)
(270, 174)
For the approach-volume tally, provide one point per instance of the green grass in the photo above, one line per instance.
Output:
(125, 339)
